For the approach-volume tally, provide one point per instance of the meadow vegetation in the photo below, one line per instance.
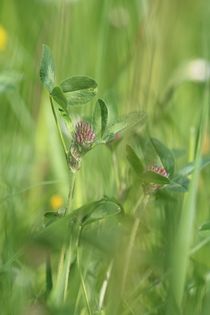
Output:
(104, 160)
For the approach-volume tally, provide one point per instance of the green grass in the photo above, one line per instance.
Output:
(152, 258)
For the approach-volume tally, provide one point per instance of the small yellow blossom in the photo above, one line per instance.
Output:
(3, 38)
(56, 202)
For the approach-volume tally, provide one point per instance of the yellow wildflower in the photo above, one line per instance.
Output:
(56, 202)
(3, 38)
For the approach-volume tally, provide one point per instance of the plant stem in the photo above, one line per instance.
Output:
(132, 239)
(59, 292)
(58, 128)
(183, 241)
(71, 192)
(49, 282)
(104, 286)
(66, 268)
(56, 294)
(83, 283)
(68, 249)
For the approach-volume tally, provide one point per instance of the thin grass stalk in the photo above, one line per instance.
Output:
(59, 292)
(82, 278)
(132, 238)
(185, 229)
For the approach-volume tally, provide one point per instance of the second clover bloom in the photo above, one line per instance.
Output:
(158, 170)
(153, 187)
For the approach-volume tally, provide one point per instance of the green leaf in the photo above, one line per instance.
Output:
(178, 184)
(79, 89)
(108, 235)
(205, 226)
(51, 216)
(55, 233)
(47, 68)
(59, 97)
(61, 227)
(145, 147)
(123, 124)
(100, 118)
(165, 155)
(134, 160)
(102, 210)
(190, 167)
(76, 83)
(80, 97)
(152, 177)
(104, 115)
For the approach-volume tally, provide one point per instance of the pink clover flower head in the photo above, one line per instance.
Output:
(83, 140)
(84, 135)
(158, 170)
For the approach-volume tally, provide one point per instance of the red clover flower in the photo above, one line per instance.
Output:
(152, 187)
(83, 140)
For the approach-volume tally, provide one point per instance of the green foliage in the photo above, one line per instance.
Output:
(79, 89)
(47, 68)
(151, 177)
(135, 161)
(77, 83)
(205, 226)
(146, 250)
(178, 184)
(59, 226)
(190, 167)
(165, 155)
(123, 124)
(59, 97)
(104, 115)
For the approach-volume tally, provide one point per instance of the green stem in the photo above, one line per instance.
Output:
(49, 282)
(182, 244)
(59, 292)
(68, 249)
(58, 128)
(56, 294)
(67, 264)
(104, 286)
(83, 283)
(71, 192)
(132, 238)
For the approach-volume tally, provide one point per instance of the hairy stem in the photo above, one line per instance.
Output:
(58, 128)
(71, 192)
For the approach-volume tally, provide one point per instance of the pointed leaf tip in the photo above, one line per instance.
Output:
(47, 68)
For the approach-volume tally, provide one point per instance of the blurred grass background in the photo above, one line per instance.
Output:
(135, 50)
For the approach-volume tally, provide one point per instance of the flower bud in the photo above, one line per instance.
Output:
(74, 158)
(153, 187)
